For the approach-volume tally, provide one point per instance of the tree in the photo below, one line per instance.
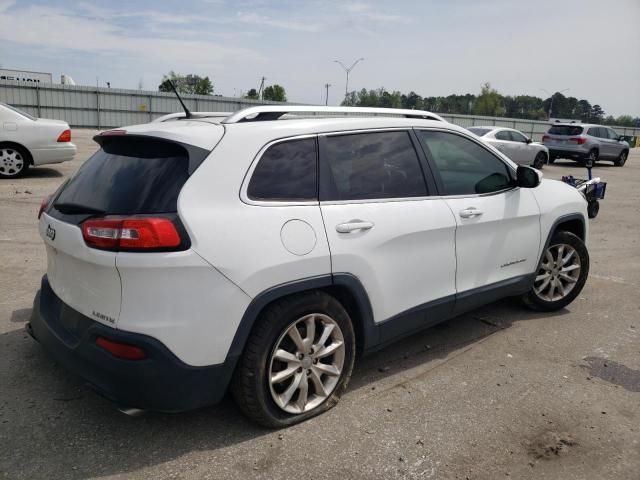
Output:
(203, 86)
(275, 93)
(189, 84)
(597, 114)
(490, 102)
(624, 121)
(252, 94)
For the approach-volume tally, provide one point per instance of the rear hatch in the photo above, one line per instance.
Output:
(132, 178)
(562, 135)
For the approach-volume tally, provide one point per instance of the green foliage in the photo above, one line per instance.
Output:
(275, 93)
(189, 84)
(490, 103)
(252, 94)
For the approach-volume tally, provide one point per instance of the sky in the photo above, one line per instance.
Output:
(433, 47)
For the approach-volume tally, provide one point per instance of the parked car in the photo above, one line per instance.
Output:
(29, 141)
(265, 253)
(582, 141)
(514, 144)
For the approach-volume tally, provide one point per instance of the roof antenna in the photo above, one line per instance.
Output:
(187, 113)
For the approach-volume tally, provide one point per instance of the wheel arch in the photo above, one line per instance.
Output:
(573, 223)
(8, 143)
(346, 288)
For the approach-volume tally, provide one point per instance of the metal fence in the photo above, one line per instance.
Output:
(94, 107)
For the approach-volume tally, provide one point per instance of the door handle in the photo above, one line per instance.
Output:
(470, 212)
(353, 225)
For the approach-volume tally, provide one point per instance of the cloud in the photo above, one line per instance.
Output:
(365, 11)
(299, 26)
(99, 34)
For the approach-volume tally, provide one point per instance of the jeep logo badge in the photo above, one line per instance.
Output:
(51, 233)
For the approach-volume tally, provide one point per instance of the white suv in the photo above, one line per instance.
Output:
(265, 250)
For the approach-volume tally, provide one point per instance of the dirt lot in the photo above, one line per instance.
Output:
(500, 392)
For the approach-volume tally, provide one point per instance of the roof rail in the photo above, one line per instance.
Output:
(171, 116)
(274, 112)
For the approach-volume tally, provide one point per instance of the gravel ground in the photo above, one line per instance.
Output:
(499, 392)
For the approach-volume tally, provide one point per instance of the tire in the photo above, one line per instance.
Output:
(622, 159)
(593, 208)
(540, 160)
(542, 297)
(265, 401)
(14, 161)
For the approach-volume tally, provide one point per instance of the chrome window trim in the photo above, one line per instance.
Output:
(244, 197)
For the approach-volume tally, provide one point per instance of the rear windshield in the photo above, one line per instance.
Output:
(565, 130)
(128, 176)
(481, 132)
(18, 111)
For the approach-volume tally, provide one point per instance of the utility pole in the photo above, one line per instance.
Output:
(326, 98)
(261, 89)
(348, 71)
(551, 102)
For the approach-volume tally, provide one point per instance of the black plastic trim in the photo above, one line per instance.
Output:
(160, 382)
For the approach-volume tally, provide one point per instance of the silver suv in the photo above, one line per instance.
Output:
(581, 141)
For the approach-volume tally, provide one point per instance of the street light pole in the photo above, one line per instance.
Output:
(551, 102)
(326, 98)
(348, 71)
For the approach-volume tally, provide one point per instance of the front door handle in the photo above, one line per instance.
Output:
(470, 212)
(353, 225)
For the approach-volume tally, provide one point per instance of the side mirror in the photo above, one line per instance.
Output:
(527, 177)
(529, 141)
(621, 138)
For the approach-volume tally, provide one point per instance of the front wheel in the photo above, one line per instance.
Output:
(561, 275)
(622, 159)
(297, 361)
(540, 160)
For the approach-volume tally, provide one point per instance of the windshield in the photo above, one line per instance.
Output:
(18, 111)
(481, 132)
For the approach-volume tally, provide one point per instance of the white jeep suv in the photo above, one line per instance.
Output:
(263, 251)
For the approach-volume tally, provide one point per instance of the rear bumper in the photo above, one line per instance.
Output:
(567, 153)
(57, 153)
(160, 382)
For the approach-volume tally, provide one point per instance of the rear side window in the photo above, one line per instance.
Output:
(465, 167)
(503, 135)
(481, 132)
(371, 166)
(568, 130)
(128, 176)
(286, 172)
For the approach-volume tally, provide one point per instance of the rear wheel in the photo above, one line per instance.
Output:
(297, 361)
(540, 160)
(622, 159)
(14, 161)
(593, 208)
(552, 158)
(561, 275)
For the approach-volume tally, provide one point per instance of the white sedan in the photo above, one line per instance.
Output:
(514, 144)
(26, 141)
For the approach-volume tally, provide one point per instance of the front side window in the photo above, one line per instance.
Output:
(518, 137)
(286, 172)
(612, 135)
(465, 167)
(371, 166)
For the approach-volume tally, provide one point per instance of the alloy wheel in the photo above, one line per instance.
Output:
(306, 363)
(558, 273)
(11, 162)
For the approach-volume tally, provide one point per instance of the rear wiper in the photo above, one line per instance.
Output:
(71, 208)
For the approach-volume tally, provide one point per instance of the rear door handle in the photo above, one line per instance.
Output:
(470, 212)
(353, 225)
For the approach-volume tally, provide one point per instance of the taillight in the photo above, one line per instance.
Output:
(43, 205)
(121, 350)
(545, 138)
(578, 140)
(131, 233)
(65, 136)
